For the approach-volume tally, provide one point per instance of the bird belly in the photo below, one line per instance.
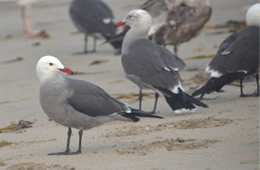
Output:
(82, 121)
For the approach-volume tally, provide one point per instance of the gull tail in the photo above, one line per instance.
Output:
(215, 84)
(181, 101)
(117, 40)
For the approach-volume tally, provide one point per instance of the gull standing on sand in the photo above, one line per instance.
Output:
(152, 66)
(94, 18)
(176, 21)
(76, 103)
(237, 57)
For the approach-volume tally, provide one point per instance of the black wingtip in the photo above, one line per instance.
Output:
(195, 101)
(135, 113)
(215, 84)
(132, 117)
(197, 92)
(181, 100)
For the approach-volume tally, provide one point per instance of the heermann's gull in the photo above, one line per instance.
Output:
(26, 15)
(151, 66)
(237, 57)
(94, 18)
(176, 21)
(76, 103)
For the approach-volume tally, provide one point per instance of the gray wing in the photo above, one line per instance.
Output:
(154, 7)
(92, 16)
(90, 99)
(239, 51)
(182, 24)
(153, 64)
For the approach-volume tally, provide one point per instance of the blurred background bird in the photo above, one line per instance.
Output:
(176, 21)
(237, 57)
(26, 15)
(94, 18)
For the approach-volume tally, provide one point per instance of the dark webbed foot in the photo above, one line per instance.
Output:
(65, 153)
(152, 112)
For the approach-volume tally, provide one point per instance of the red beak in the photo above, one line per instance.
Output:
(119, 24)
(67, 70)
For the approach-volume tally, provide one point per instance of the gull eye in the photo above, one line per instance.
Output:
(51, 64)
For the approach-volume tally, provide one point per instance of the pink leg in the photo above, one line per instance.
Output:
(27, 26)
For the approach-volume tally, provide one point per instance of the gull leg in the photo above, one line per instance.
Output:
(67, 151)
(86, 44)
(140, 98)
(241, 88)
(155, 103)
(201, 96)
(27, 26)
(94, 44)
(175, 50)
(80, 139)
(79, 149)
(257, 82)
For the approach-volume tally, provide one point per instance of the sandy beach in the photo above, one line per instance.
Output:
(223, 136)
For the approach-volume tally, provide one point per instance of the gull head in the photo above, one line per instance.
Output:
(50, 65)
(253, 15)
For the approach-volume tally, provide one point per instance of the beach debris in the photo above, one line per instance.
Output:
(116, 82)
(36, 44)
(17, 59)
(202, 56)
(4, 143)
(43, 35)
(75, 33)
(197, 48)
(95, 62)
(22, 124)
(232, 25)
(78, 73)
(132, 95)
(2, 163)
(88, 73)
(39, 166)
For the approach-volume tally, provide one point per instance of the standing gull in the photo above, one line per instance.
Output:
(152, 66)
(94, 18)
(237, 57)
(176, 21)
(76, 103)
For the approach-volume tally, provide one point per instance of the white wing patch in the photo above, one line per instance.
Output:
(179, 111)
(169, 68)
(172, 22)
(243, 71)
(107, 20)
(213, 73)
(175, 89)
(225, 52)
